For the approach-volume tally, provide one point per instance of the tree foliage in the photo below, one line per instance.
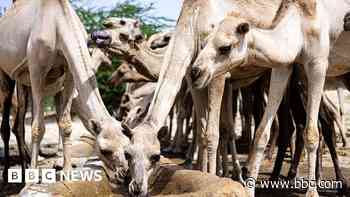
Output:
(92, 19)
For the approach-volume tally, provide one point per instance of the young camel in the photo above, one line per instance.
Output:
(49, 53)
(241, 40)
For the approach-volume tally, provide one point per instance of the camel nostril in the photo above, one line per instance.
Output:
(139, 38)
(124, 37)
(94, 35)
(137, 190)
(106, 152)
(195, 73)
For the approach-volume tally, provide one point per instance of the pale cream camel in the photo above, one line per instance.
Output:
(242, 40)
(48, 52)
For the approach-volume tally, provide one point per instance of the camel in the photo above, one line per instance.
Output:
(18, 102)
(242, 40)
(180, 54)
(49, 53)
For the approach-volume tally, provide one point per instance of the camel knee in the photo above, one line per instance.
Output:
(37, 134)
(66, 126)
(262, 142)
(311, 137)
(213, 139)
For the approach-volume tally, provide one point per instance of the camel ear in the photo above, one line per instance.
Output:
(126, 130)
(95, 126)
(162, 132)
(243, 28)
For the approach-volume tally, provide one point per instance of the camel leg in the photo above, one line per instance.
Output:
(293, 170)
(179, 137)
(227, 120)
(63, 107)
(38, 127)
(19, 124)
(8, 87)
(208, 117)
(215, 93)
(200, 98)
(278, 84)
(319, 158)
(193, 145)
(220, 165)
(328, 133)
(246, 111)
(286, 131)
(299, 115)
(341, 99)
(273, 139)
(40, 56)
(316, 74)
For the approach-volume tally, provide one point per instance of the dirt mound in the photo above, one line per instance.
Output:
(188, 183)
(170, 181)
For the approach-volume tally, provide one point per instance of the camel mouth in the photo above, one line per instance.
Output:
(202, 81)
(115, 175)
(115, 50)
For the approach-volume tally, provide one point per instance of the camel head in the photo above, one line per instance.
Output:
(160, 40)
(127, 73)
(111, 145)
(119, 35)
(143, 155)
(226, 48)
(347, 22)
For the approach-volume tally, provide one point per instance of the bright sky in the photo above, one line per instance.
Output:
(167, 8)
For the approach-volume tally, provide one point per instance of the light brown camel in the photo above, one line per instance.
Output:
(50, 49)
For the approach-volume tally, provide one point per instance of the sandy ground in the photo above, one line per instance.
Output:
(50, 142)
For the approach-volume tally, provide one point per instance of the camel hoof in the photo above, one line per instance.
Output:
(250, 192)
(312, 193)
(187, 164)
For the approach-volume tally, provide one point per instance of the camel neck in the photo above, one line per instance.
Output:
(74, 48)
(151, 61)
(280, 44)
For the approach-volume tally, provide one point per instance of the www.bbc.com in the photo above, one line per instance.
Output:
(251, 183)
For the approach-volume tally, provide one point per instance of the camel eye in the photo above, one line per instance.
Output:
(155, 158)
(127, 156)
(122, 22)
(225, 50)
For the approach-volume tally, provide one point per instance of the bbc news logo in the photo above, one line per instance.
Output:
(52, 176)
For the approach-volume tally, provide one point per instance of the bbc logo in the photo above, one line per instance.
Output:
(50, 175)
(32, 175)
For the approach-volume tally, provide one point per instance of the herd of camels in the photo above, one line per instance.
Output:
(189, 76)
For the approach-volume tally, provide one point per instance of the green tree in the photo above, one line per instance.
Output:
(92, 19)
